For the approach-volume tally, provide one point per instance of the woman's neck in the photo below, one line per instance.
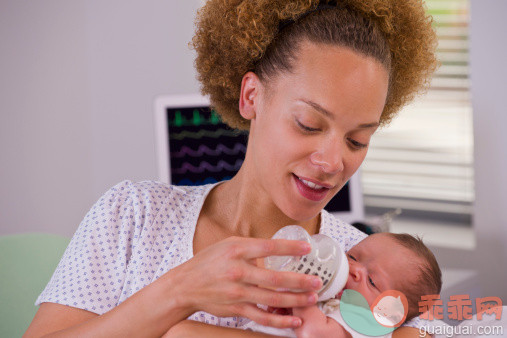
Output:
(241, 207)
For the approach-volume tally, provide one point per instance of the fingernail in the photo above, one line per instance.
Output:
(306, 247)
(296, 322)
(312, 299)
(316, 283)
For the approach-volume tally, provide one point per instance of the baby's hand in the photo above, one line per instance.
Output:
(314, 320)
(316, 324)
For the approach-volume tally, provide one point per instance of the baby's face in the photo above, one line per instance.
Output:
(379, 263)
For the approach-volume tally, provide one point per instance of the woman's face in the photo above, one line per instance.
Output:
(310, 128)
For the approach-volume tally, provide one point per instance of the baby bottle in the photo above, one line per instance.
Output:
(326, 260)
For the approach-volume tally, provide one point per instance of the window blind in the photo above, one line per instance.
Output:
(423, 161)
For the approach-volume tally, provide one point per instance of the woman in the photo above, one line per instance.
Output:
(312, 82)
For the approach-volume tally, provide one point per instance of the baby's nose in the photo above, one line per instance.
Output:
(356, 272)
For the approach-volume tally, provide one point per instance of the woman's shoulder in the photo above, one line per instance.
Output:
(154, 192)
(144, 202)
(345, 234)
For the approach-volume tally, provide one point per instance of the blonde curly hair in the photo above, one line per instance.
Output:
(236, 36)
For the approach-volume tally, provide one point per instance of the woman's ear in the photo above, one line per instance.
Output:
(249, 96)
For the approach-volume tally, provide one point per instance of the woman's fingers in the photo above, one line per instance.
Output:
(248, 283)
(267, 319)
(251, 248)
(282, 279)
(226, 281)
(280, 299)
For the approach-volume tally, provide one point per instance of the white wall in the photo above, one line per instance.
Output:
(489, 97)
(77, 84)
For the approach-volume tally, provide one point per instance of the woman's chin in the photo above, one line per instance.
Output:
(296, 207)
(302, 214)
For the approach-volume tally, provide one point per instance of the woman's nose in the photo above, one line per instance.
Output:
(329, 157)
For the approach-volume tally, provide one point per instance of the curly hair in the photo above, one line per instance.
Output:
(236, 36)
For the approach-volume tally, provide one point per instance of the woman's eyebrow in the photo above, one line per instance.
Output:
(328, 114)
(318, 108)
(369, 125)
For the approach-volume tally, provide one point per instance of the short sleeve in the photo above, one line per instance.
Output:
(92, 271)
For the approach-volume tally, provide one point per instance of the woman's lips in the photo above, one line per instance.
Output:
(314, 193)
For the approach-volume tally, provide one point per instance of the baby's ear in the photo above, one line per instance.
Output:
(249, 95)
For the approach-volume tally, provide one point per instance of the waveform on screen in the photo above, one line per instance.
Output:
(205, 166)
(203, 133)
(205, 150)
(196, 120)
(207, 180)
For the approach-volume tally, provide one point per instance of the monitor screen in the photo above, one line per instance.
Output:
(194, 147)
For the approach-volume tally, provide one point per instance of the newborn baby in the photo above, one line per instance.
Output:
(379, 263)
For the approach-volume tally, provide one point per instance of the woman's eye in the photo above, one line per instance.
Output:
(306, 128)
(357, 145)
(371, 282)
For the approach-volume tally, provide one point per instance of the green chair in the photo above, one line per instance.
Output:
(27, 262)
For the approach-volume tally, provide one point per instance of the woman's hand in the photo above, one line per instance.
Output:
(224, 280)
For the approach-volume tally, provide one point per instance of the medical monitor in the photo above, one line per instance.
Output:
(194, 148)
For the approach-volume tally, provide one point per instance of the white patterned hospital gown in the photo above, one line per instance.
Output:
(134, 234)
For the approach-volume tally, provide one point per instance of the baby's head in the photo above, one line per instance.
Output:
(387, 261)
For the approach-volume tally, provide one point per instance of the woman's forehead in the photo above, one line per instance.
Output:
(312, 57)
(336, 78)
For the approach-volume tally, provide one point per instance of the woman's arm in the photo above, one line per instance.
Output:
(408, 332)
(191, 328)
(137, 316)
(221, 279)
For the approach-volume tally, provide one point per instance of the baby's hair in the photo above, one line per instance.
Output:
(236, 36)
(429, 281)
